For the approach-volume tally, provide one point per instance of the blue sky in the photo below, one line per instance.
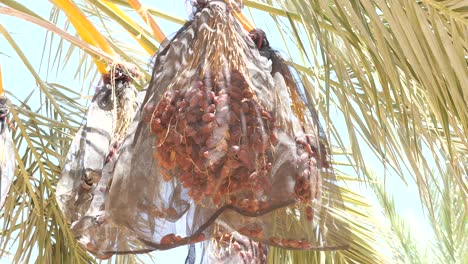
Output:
(18, 81)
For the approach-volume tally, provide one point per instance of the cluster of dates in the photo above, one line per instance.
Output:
(173, 239)
(290, 243)
(219, 142)
(234, 248)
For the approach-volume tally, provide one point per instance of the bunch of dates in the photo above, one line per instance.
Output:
(234, 248)
(218, 141)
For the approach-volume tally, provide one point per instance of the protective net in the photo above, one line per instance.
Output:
(235, 248)
(228, 246)
(7, 152)
(226, 135)
(309, 224)
(88, 170)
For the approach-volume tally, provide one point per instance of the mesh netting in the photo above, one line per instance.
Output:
(228, 246)
(7, 153)
(226, 147)
(89, 167)
(226, 134)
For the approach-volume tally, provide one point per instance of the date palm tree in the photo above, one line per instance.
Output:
(389, 77)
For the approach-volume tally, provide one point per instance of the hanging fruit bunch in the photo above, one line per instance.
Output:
(104, 140)
(223, 135)
(88, 169)
(109, 115)
(314, 148)
(218, 131)
(7, 151)
(213, 141)
(308, 224)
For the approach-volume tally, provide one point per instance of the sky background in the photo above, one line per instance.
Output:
(18, 81)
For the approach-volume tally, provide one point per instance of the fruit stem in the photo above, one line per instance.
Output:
(143, 12)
